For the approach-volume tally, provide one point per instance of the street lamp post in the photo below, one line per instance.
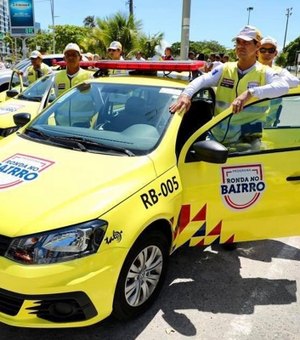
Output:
(249, 9)
(288, 14)
(185, 29)
(53, 27)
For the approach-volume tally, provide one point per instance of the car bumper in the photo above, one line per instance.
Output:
(70, 294)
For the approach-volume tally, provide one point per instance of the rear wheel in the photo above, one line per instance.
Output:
(142, 275)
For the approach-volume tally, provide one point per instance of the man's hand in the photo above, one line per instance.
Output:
(182, 105)
(240, 101)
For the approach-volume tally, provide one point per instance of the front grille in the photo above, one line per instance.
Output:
(63, 307)
(4, 243)
(10, 304)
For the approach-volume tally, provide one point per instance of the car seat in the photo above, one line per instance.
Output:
(134, 113)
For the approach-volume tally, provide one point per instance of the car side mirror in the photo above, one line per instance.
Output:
(210, 151)
(21, 119)
(12, 93)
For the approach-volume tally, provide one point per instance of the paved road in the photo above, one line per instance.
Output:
(247, 294)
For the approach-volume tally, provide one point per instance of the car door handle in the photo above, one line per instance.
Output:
(293, 178)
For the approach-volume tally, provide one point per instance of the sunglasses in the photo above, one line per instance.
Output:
(111, 50)
(265, 50)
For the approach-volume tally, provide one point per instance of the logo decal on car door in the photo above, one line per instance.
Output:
(242, 185)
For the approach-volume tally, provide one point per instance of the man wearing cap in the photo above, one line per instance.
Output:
(73, 74)
(238, 81)
(266, 55)
(115, 51)
(37, 69)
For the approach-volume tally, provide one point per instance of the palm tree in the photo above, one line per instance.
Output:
(147, 44)
(89, 21)
(122, 28)
(117, 27)
(130, 4)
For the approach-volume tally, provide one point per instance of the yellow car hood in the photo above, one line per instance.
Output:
(13, 106)
(45, 187)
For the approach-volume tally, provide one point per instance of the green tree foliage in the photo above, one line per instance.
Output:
(97, 33)
(281, 59)
(65, 34)
(147, 44)
(89, 21)
(290, 52)
(120, 27)
(205, 47)
(43, 41)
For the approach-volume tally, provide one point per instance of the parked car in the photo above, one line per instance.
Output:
(99, 189)
(5, 75)
(20, 98)
(32, 99)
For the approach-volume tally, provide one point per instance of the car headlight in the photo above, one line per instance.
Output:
(58, 245)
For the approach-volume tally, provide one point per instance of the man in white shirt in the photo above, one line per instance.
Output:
(266, 55)
(247, 45)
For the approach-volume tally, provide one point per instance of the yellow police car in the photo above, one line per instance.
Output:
(18, 98)
(99, 189)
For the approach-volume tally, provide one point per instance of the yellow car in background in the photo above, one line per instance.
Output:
(32, 99)
(5, 75)
(108, 183)
(16, 86)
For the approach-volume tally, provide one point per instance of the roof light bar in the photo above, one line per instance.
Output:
(179, 66)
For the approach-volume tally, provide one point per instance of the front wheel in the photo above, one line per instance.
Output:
(142, 276)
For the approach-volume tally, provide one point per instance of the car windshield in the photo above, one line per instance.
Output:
(97, 116)
(22, 65)
(38, 89)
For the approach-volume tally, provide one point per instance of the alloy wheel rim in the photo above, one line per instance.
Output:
(143, 276)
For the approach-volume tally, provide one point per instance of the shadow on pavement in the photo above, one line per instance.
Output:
(206, 280)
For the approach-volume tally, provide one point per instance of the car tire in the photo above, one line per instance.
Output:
(141, 276)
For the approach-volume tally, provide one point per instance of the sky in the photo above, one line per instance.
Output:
(209, 20)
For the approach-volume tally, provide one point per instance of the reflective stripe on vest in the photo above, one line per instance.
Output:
(32, 73)
(64, 83)
(230, 86)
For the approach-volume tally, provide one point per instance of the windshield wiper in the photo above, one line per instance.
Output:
(41, 136)
(37, 132)
(32, 99)
(80, 143)
(89, 145)
(21, 96)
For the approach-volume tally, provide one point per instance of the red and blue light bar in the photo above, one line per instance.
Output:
(178, 66)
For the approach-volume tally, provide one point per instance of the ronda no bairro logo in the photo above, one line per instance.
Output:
(242, 185)
(21, 168)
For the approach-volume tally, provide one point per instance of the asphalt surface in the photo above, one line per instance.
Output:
(248, 293)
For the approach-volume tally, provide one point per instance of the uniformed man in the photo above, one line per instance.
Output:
(37, 69)
(115, 51)
(73, 74)
(236, 82)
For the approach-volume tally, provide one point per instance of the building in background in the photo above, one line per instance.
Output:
(4, 28)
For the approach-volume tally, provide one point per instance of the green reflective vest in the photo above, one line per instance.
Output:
(63, 82)
(230, 86)
(33, 74)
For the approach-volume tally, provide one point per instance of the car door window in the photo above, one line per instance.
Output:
(200, 112)
(283, 128)
(265, 126)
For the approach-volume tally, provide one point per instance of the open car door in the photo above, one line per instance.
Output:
(255, 193)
